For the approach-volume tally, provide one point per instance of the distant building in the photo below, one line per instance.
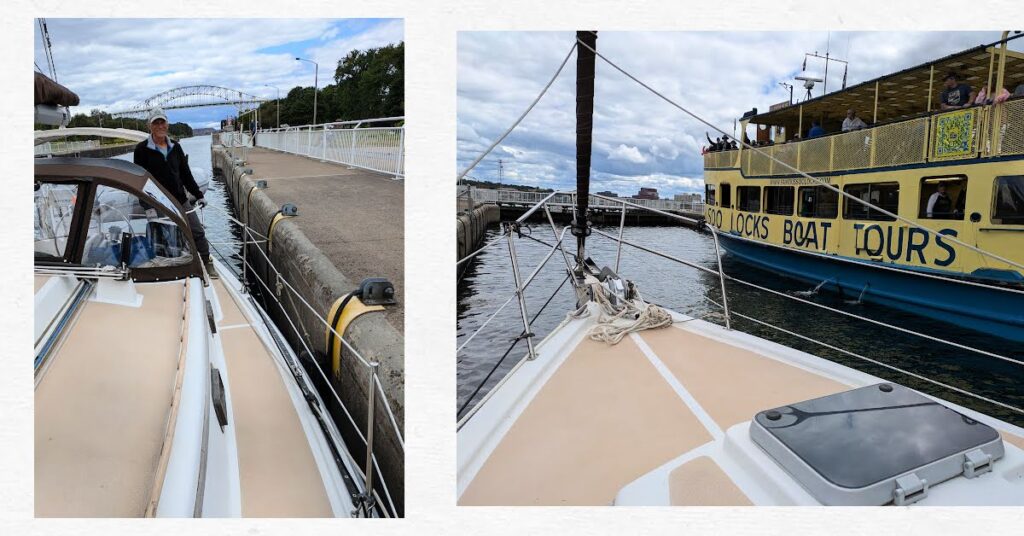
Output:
(608, 194)
(687, 198)
(647, 193)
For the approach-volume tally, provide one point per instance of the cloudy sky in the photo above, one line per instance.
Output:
(639, 140)
(115, 63)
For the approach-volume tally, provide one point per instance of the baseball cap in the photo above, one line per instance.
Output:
(156, 113)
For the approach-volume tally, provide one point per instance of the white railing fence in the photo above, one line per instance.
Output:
(235, 139)
(380, 149)
(490, 195)
(65, 147)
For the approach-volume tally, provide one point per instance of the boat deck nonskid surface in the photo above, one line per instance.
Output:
(277, 472)
(102, 406)
(660, 402)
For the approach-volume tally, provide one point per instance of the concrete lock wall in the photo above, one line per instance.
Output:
(320, 283)
(470, 228)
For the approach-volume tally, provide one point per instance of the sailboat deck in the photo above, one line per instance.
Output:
(102, 406)
(278, 475)
(667, 408)
(610, 414)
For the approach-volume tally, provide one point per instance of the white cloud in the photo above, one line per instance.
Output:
(629, 154)
(116, 63)
(328, 54)
(639, 139)
(665, 148)
(515, 153)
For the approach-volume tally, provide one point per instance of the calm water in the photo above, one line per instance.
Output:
(488, 283)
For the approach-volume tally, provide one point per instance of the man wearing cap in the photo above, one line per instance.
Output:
(168, 164)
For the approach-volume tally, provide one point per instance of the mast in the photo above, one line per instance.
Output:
(585, 60)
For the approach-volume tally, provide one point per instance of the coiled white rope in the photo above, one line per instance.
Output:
(615, 321)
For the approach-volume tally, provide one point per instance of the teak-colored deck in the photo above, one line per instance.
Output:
(607, 416)
(101, 408)
(278, 475)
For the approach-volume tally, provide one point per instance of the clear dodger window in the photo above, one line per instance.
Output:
(118, 220)
(54, 214)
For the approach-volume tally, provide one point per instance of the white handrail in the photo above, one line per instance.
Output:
(379, 149)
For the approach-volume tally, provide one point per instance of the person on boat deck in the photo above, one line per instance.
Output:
(168, 164)
(955, 95)
(816, 130)
(716, 144)
(940, 206)
(852, 122)
(1019, 91)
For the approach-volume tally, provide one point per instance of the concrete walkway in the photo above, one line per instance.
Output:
(355, 217)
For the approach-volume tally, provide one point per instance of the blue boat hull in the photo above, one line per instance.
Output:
(981, 308)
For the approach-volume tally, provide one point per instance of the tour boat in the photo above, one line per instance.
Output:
(625, 403)
(771, 202)
(160, 392)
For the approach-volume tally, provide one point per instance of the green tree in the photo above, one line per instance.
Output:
(371, 83)
(368, 84)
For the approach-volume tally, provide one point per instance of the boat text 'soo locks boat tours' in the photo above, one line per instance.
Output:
(160, 391)
(775, 210)
(627, 403)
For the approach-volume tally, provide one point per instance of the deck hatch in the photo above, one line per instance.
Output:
(850, 448)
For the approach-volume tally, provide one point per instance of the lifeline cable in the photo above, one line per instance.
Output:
(879, 363)
(521, 117)
(341, 404)
(507, 352)
(815, 304)
(346, 344)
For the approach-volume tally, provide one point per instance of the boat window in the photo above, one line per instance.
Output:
(778, 200)
(818, 202)
(885, 195)
(947, 204)
(709, 194)
(118, 218)
(1009, 200)
(55, 210)
(749, 198)
(726, 195)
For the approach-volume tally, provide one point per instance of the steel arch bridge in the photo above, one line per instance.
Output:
(193, 97)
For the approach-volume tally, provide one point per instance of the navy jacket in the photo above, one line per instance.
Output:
(172, 172)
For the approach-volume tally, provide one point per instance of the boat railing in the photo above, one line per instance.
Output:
(511, 230)
(377, 148)
(980, 131)
(375, 389)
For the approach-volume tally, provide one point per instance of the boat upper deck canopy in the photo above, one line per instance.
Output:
(902, 94)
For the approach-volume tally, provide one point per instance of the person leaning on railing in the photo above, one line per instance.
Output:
(852, 122)
(955, 94)
(816, 130)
